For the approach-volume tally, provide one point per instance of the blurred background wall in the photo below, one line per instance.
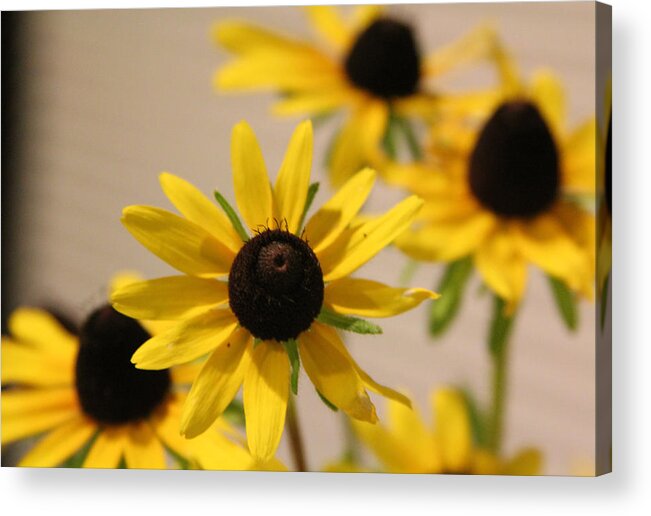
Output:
(109, 99)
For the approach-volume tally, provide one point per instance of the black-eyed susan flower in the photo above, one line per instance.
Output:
(506, 189)
(368, 64)
(92, 407)
(258, 301)
(406, 444)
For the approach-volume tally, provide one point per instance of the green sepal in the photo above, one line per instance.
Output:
(232, 216)
(451, 287)
(79, 457)
(311, 193)
(500, 327)
(256, 342)
(326, 401)
(565, 302)
(347, 323)
(291, 346)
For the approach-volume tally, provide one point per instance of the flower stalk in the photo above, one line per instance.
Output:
(295, 436)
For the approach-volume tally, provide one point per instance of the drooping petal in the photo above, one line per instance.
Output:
(40, 329)
(546, 243)
(527, 462)
(358, 143)
(242, 38)
(314, 103)
(453, 431)
(502, 266)
(216, 385)
(579, 159)
(335, 215)
(27, 365)
(372, 299)
(266, 391)
(356, 246)
(108, 448)
(143, 449)
(186, 341)
(333, 373)
(252, 189)
(548, 95)
(395, 455)
(173, 297)
(406, 424)
(293, 179)
(197, 208)
(60, 444)
(183, 244)
(447, 240)
(30, 412)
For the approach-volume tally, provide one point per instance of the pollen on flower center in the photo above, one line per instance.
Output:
(110, 388)
(275, 285)
(385, 59)
(514, 169)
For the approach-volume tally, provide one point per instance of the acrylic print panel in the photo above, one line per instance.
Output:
(336, 239)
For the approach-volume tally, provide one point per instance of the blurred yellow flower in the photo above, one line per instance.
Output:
(83, 393)
(407, 445)
(508, 188)
(370, 65)
(287, 286)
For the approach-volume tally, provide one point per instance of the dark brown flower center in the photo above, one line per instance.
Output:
(385, 60)
(514, 169)
(275, 286)
(110, 388)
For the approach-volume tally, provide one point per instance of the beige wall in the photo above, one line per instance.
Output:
(118, 96)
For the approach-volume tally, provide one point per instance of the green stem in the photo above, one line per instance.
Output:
(412, 140)
(499, 346)
(295, 438)
(350, 452)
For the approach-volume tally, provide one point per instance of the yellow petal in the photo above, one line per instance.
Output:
(328, 22)
(186, 341)
(393, 453)
(293, 179)
(546, 243)
(60, 444)
(364, 15)
(333, 373)
(174, 297)
(198, 209)
(527, 462)
(252, 188)
(358, 143)
(453, 430)
(373, 299)
(477, 44)
(142, 449)
(186, 373)
(547, 93)
(358, 245)
(579, 159)
(407, 426)
(108, 448)
(314, 102)
(30, 412)
(266, 391)
(213, 451)
(335, 215)
(184, 245)
(216, 385)
(503, 267)
(41, 329)
(242, 37)
(447, 240)
(27, 365)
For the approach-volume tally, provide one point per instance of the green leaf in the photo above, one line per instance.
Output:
(232, 215)
(311, 193)
(347, 323)
(77, 460)
(451, 288)
(500, 327)
(565, 302)
(235, 413)
(327, 402)
(291, 346)
(604, 301)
